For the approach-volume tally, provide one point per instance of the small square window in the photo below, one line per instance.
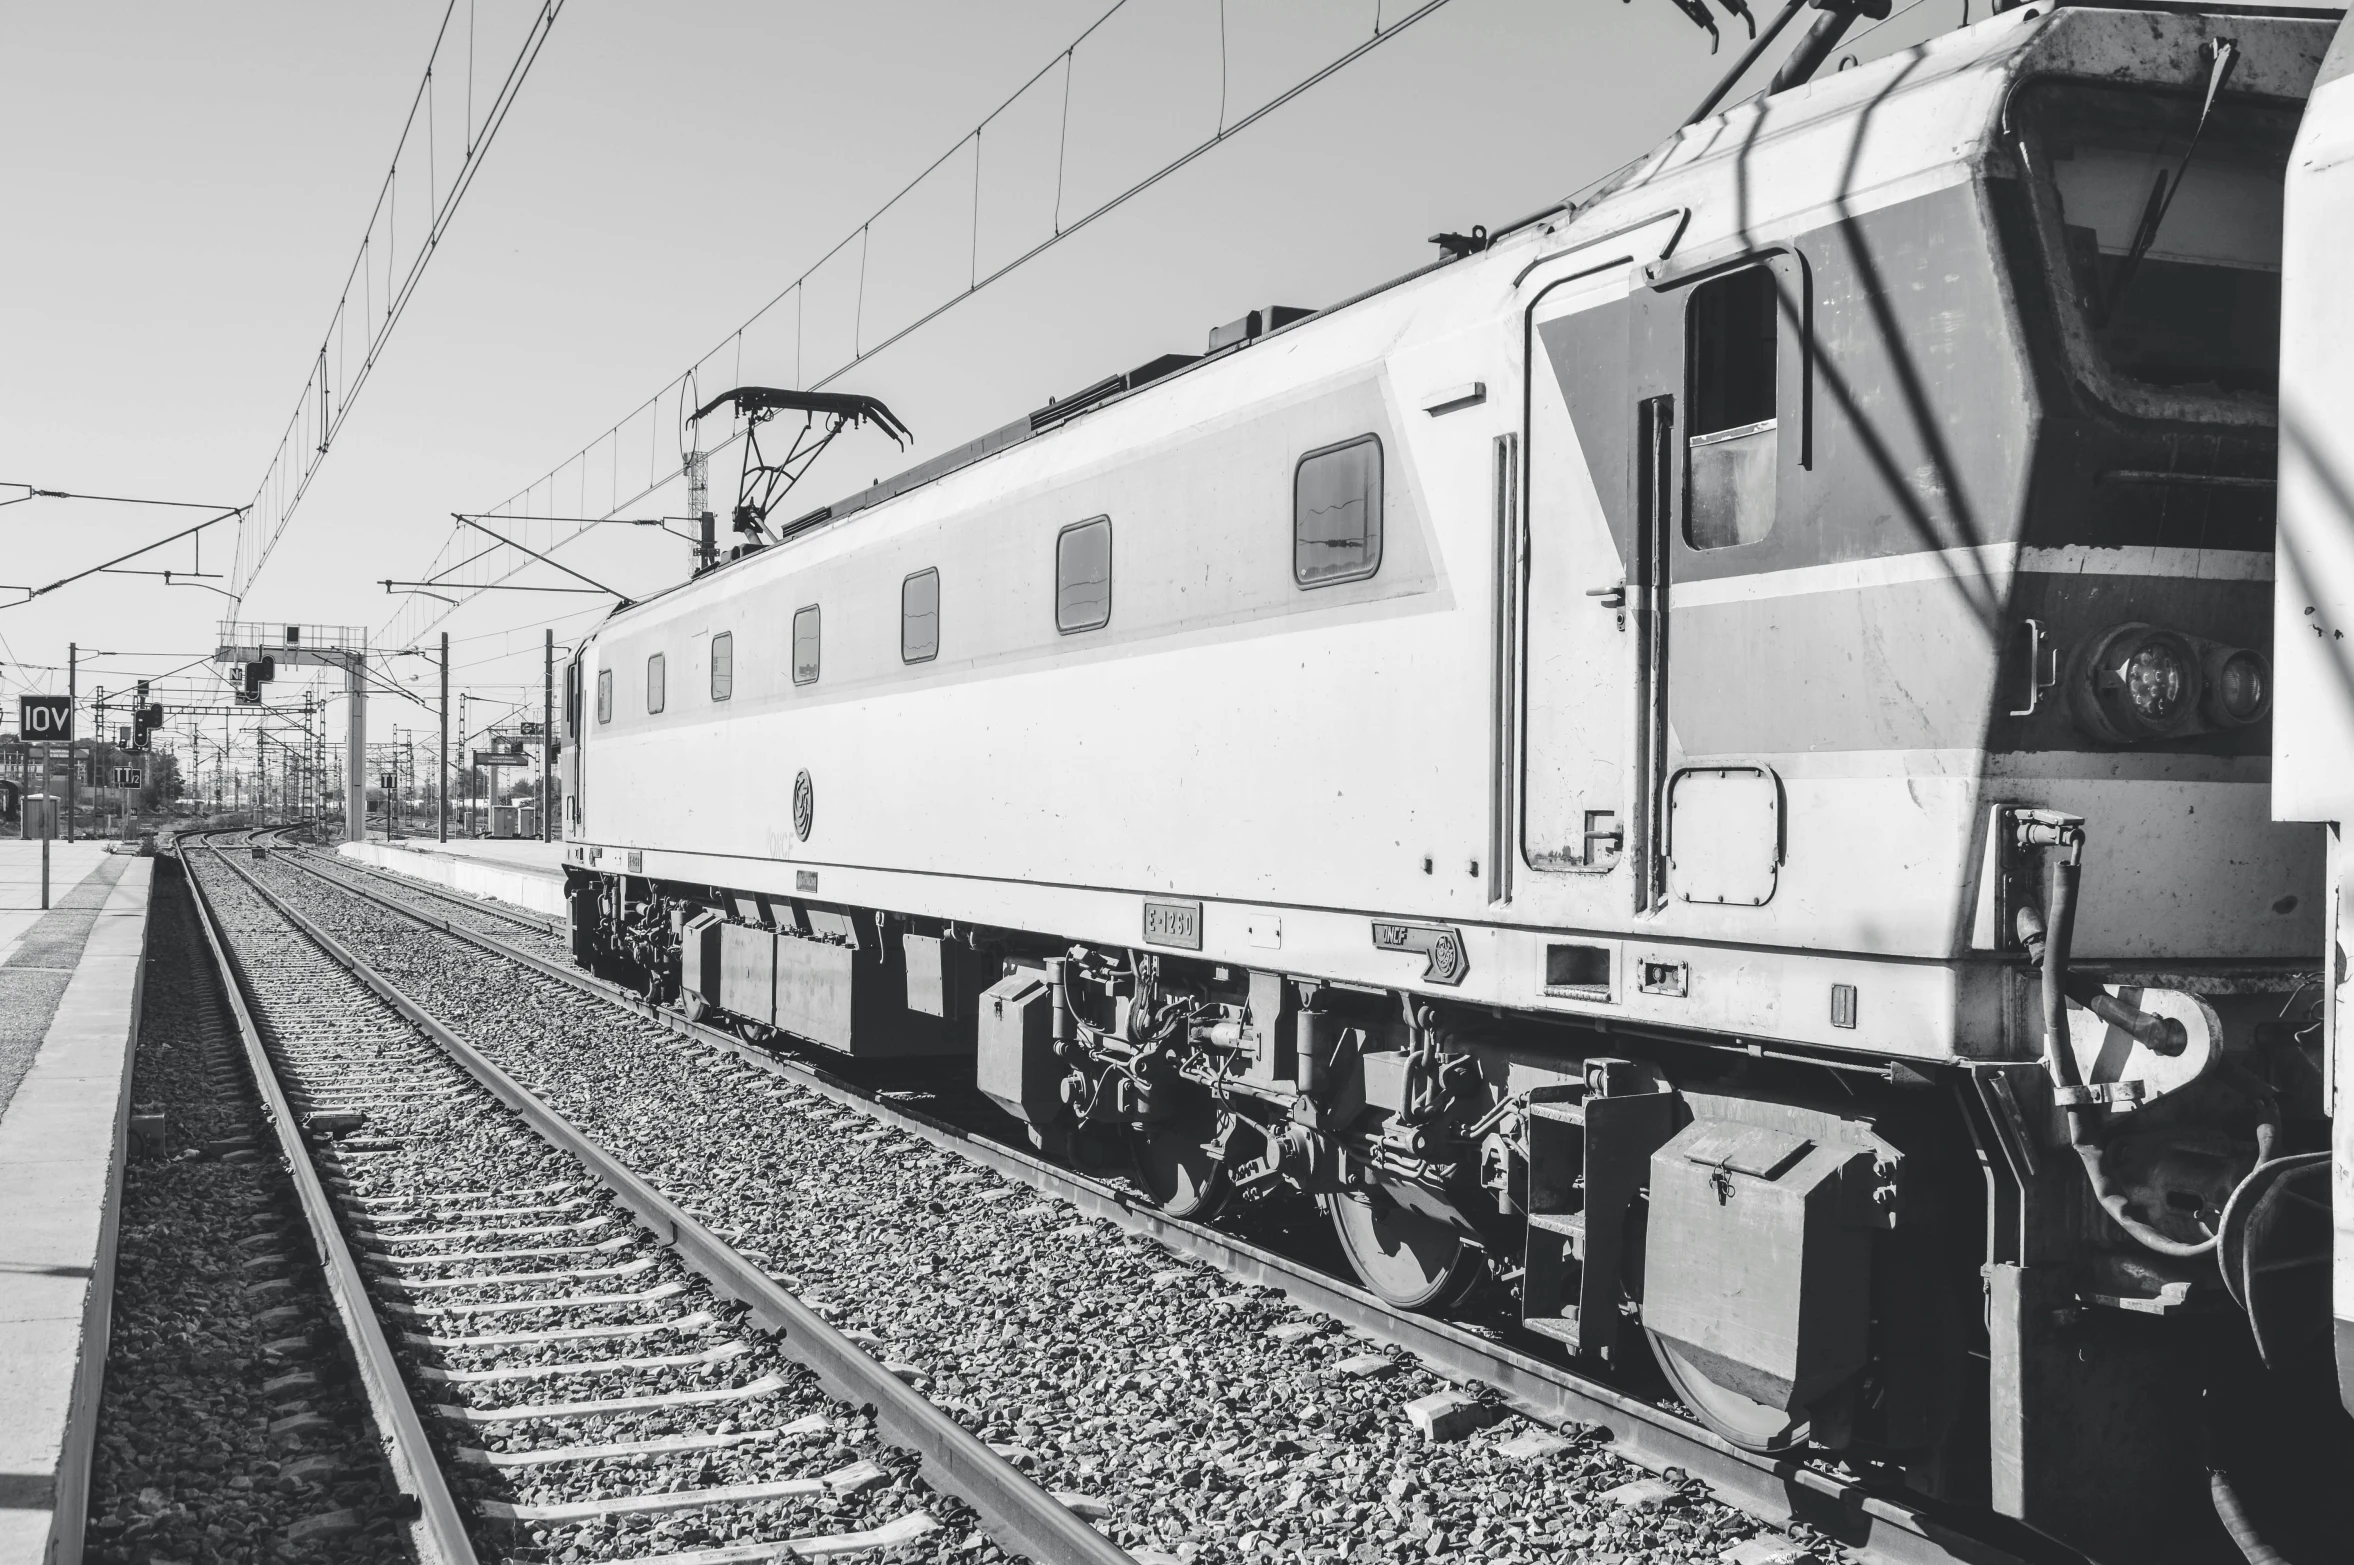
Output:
(604, 695)
(654, 680)
(805, 632)
(1083, 576)
(1336, 513)
(919, 617)
(723, 665)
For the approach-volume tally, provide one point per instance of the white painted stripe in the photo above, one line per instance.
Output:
(2138, 560)
(1985, 564)
(767, 1385)
(1976, 565)
(891, 1534)
(503, 1339)
(468, 1377)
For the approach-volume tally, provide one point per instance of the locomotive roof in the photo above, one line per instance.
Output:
(1954, 86)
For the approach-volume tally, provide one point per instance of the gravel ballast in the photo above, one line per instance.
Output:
(1198, 1420)
(203, 1454)
(439, 1185)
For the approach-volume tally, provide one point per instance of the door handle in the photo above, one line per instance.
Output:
(1609, 597)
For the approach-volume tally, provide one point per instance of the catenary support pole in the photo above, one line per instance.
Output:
(355, 748)
(73, 657)
(441, 790)
(547, 737)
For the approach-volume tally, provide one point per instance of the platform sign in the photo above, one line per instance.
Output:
(45, 717)
(499, 758)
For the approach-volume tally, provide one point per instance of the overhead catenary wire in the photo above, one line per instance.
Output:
(333, 385)
(418, 615)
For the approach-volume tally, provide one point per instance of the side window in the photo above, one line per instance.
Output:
(1732, 450)
(723, 665)
(604, 695)
(919, 617)
(805, 628)
(1336, 513)
(1083, 576)
(654, 679)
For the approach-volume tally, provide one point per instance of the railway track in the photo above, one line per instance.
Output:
(601, 1376)
(1833, 1505)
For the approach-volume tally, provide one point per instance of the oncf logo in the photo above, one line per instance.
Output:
(804, 806)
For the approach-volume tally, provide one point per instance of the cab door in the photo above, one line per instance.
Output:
(1581, 591)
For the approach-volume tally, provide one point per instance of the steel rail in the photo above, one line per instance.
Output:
(1874, 1524)
(438, 1531)
(1023, 1517)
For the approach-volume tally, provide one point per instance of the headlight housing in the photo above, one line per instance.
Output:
(2137, 682)
(2239, 687)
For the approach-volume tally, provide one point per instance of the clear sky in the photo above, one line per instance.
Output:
(182, 188)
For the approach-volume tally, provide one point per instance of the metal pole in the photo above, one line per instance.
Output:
(73, 654)
(355, 769)
(547, 737)
(442, 788)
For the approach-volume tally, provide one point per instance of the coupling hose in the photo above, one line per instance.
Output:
(2059, 933)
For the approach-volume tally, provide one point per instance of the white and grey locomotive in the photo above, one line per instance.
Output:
(1701, 766)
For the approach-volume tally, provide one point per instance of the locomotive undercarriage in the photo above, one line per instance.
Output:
(1806, 1250)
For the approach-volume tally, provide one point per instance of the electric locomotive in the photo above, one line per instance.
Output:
(1697, 772)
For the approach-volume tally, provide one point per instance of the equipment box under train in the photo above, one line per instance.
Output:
(851, 997)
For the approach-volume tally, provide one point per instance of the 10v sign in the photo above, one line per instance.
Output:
(45, 718)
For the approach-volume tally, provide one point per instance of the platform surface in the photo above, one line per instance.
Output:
(521, 853)
(526, 873)
(69, 1015)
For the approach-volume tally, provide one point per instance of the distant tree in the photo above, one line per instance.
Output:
(163, 782)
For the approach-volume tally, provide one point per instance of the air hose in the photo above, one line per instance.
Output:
(2049, 940)
(2233, 1513)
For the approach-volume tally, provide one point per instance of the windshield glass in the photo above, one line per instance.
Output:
(2198, 311)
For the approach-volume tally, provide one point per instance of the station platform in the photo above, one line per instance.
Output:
(70, 984)
(528, 873)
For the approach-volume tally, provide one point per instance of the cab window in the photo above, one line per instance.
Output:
(1733, 446)
(604, 695)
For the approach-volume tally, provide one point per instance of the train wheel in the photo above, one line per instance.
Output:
(1410, 1258)
(1753, 1426)
(1185, 1175)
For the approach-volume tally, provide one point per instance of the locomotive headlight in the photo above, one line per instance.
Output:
(2239, 687)
(2156, 680)
(2138, 682)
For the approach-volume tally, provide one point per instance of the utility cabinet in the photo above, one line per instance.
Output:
(1016, 1066)
(1758, 1257)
